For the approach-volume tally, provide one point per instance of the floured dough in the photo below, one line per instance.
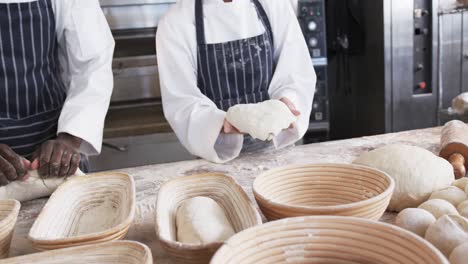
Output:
(463, 209)
(461, 183)
(33, 188)
(460, 104)
(459, 254)
(415, 220)
(417, 173)
(447, 233)
(450, 194)
(200, 220)
(439, 208)
(262, 121)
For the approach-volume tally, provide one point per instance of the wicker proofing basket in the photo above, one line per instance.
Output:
(221, 188)
(107, 253)
(327, 239)
(76, 206)
(9, 210)
(323, 189)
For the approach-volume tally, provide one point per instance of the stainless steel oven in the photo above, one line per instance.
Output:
(136, 132)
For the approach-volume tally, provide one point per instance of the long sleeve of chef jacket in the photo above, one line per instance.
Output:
(195, 118)
(86, 49)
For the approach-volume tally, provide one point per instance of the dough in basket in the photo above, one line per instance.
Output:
(33, 188)
(200, 220)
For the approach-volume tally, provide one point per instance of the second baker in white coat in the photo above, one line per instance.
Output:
(213, 54)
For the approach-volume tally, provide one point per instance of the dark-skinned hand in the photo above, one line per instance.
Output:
(59, 157)
(12, 166)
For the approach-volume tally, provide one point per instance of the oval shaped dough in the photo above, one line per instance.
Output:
(417, 173)
(450, 194)
(439, 208)
(461, 183)
(263, 120)
(200, 220)
(459, 254)
(463, 209)
(447, 233)
(33, 188)
(415, 220)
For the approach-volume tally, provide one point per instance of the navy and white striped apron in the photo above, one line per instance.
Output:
(31, 91)
(236, 72)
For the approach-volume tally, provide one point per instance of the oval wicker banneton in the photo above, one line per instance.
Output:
(327, 239)
(127, 252)
(9, 210)
(71, 217)
(223, 189)
(323, 189)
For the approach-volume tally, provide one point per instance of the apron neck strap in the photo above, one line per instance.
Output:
(200, 24)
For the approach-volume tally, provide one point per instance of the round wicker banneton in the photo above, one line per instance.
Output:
(327, 239)
(127, 252)
(73, 216)
(9, 210)
(223, 189)
(323, 189)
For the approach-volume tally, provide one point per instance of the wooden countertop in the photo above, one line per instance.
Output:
(244, 169)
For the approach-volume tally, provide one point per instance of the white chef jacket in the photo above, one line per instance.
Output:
(86, 48)
(194, 117)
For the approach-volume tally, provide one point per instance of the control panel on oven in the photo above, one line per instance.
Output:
(311, 14)
(422, 47)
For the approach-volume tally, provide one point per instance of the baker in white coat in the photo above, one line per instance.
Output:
(213, 54)
(55, 85)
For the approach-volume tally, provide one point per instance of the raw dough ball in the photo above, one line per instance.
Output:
(263, 120)
(33, 188)
(450, 194)
(415, 220)
(463, 209)
(200, 220)
(416, 171)
(461, 183)
(448, 232)
(460, 104)
(459, 254)
(439, 208)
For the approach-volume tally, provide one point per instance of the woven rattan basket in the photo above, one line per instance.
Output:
(9, 210)
(106, 253)
(86, 210)
(221, 188)
(327, 239)
(323, 189)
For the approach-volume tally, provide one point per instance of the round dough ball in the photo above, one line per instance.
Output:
(415, 220)
(450, 194)
(200, 220)
(447, 233)
(459, 254)
(461, 183)
(417, 173)
(463, 209)
(439, 208)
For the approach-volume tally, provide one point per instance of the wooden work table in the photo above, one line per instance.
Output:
(244, 169)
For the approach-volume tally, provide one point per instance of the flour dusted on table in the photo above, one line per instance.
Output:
(200, 220)
(33, 188)
(262, 121)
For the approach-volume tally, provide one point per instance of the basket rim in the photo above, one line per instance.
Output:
(178, 245)
(329, 218)
(12, 214)
(92, 236)
(388, 191)
(85, 248)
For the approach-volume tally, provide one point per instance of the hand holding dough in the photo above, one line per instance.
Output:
(201, 220)
(33, 188)
(262, 121)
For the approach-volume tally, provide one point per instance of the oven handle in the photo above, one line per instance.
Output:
(115, 147)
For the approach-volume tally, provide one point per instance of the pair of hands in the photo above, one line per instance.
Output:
(55, 158)
(228, 128)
